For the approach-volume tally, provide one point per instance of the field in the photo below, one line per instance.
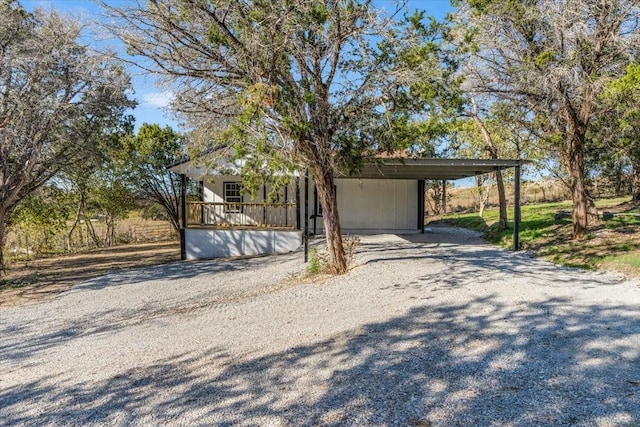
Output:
(612, 243)
(32, 280)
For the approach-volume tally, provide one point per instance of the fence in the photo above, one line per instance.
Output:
(21, 243)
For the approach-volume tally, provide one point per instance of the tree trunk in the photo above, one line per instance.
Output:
(2, 236)
(484, 191)
(635, 183)
(91, 232)
(579, 195)
(327, 198)
(493, 153)
(74, 225)
(502, 201)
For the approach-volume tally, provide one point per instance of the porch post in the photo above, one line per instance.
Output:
(516, 210)
(421, 205)
(305, 234)
(183, 208)
(264, 200)
(202, 200)
(315, 210)
(297, 203)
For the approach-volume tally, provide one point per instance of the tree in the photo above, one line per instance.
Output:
(288, 83)
(54, 91)
(40, 217)
(622, 129)
(147, 156)
(556, 57)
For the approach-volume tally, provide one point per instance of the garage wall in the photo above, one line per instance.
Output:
(373, 206)
(378, 205)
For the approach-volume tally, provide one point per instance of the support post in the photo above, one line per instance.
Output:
(201, 191)
(264, 201)
(305, 234)
(286, 200)
(516, 210)
(315, 210)
(297, 203)
(183, 209)
(421, 205)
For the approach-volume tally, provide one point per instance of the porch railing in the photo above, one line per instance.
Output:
(218, 214)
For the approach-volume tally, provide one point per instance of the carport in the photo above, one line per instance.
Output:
(224, 224)
(444, 170)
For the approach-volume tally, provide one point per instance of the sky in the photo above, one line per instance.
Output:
(153, 100)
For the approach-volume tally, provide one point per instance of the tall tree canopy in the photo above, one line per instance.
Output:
(556, 58)
(618, 127)
(298, 82)
(54, 93)
(146, 157)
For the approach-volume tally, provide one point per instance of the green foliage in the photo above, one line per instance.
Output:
(545, 58)
(629, 260)
(113, 200)
(155, 212)
(315, 266)
(549, 238)
(144, 159)
(42, 216)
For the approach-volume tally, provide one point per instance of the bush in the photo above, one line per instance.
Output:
(155, 211)
(315, 266)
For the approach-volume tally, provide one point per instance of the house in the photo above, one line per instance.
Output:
(386, 196)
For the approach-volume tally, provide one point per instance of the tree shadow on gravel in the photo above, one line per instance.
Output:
(116, 318)
(182, 270)
(474, 258)
(477, 363)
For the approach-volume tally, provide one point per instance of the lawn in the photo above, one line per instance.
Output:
(611, 244)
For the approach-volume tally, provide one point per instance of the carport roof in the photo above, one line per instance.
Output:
(444, 169)
(389, 168)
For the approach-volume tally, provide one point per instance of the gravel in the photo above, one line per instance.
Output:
(438, 329)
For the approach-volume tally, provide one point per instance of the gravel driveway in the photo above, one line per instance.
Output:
(437, 329)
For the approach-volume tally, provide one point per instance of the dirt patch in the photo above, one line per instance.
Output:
(34, 280)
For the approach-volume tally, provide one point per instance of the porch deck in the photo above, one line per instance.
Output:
(216, 229)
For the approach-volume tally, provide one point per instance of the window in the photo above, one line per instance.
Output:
(232, 195)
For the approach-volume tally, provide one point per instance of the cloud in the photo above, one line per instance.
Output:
(158, 99)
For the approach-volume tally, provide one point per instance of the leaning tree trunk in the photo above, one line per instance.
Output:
(493, 153)
(327, 198)
(2, 237)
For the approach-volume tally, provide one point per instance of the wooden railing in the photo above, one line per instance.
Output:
(215, 214)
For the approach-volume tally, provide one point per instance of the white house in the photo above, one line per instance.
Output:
(386, 196)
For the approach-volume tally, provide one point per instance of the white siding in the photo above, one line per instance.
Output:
(365, 205)
(371, 206)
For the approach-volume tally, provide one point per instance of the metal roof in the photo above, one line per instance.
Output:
(445, 169)
(441, 169)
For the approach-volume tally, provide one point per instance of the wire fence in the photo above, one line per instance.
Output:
(33, 242)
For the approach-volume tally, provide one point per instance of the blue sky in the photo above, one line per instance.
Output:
(152, 99)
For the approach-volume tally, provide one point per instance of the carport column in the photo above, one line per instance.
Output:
(421, 205)
(516, 210)
(183, 211)
(305, 233)
(297, 203)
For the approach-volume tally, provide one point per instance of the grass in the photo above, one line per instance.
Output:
(613, 244)
(16, 283)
